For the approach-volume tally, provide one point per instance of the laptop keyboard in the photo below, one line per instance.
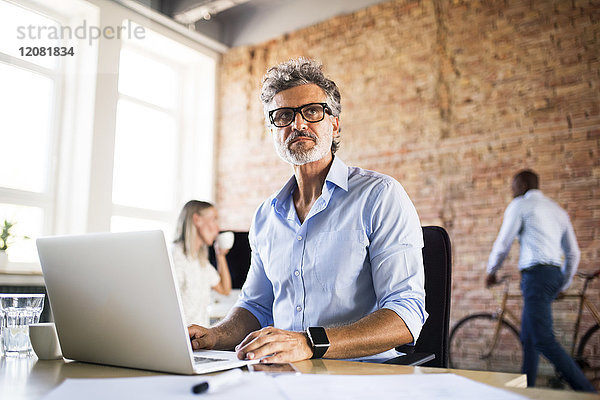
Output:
(206, 360)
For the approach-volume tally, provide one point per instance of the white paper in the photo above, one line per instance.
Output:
(251, 387)
(410, 386)
(261, 386)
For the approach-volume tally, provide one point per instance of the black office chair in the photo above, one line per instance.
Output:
(431, 349)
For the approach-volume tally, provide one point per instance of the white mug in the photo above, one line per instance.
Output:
(225, 240)
(44, 341)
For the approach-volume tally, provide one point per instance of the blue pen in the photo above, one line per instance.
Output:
(215, 383)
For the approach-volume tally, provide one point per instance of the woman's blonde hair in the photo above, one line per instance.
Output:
(187, 233)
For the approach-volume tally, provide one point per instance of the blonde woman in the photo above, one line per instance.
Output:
(197, 228)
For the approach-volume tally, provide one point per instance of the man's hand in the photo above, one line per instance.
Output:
(201, 337)
(281, 346)
(491, 280)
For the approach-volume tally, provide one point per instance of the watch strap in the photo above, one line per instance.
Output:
(319, 348)
(319, 351)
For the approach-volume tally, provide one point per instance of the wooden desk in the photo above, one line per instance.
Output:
(22, 379)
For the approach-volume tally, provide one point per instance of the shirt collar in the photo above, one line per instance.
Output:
(532, 192)
(279, 202)
(337, 175)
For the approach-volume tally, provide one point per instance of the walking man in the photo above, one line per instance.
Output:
(545, 236)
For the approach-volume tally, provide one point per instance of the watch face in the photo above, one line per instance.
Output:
(318, 336)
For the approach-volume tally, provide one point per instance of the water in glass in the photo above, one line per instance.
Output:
(17, 312)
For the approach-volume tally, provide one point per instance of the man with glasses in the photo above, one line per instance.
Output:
(337, 268)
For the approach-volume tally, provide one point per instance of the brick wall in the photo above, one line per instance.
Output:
(451, 98)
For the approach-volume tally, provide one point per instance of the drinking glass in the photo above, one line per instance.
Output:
(17, 312)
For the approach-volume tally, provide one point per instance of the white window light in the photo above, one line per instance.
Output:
(56, 176)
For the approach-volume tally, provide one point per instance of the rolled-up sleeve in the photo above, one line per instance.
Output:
(395, 250)
(257, 292)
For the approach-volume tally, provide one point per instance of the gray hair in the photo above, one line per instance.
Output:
(301, 71)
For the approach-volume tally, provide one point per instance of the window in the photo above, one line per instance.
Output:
(151, 116)
(116, 137)
(30, 105)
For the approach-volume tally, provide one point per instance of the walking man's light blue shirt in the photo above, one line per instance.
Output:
(358, 250)
(545, 234)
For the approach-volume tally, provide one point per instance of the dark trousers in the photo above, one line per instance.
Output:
(540, 285)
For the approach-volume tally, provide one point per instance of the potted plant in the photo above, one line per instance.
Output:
(5, 237)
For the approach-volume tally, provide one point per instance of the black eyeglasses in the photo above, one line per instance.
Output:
(311, 112)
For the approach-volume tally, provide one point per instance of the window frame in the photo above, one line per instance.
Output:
(79, 188)
(46, 199)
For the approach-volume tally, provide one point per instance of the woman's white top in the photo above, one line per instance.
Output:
(195, 278)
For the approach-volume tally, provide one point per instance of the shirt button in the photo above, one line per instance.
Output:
(297, 273)
(298, 308)
(299, 237)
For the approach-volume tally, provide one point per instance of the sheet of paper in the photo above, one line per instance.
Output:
(252, 387)
(425, 386)
(261, 386)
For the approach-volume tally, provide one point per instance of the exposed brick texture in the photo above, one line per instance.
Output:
(451, 98)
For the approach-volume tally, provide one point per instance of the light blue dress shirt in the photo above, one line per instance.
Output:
(545, 233)
(358, 250)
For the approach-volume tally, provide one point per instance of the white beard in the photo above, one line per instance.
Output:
(300, 156)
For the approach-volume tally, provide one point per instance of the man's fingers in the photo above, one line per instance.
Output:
(196, 331)
(267, 348)
(247, 340)
(255, 335)
(255, 348)
(265, 342)
(200, 337)
(277, 358)
(199, 343)
(274, 345)
(490, 281)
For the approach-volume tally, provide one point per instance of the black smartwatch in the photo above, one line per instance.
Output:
(318, 340)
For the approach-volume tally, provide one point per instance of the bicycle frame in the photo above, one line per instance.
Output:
(503, 325)
(583, 301)
(503, 311)
(500, 314)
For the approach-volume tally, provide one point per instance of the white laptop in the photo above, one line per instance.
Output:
(115, 301)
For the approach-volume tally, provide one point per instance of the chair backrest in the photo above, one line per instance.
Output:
(437, 260)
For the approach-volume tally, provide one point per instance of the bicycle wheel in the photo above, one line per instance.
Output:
(471, 342)
(588, 355)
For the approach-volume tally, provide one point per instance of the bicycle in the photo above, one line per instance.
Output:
(491, 341)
